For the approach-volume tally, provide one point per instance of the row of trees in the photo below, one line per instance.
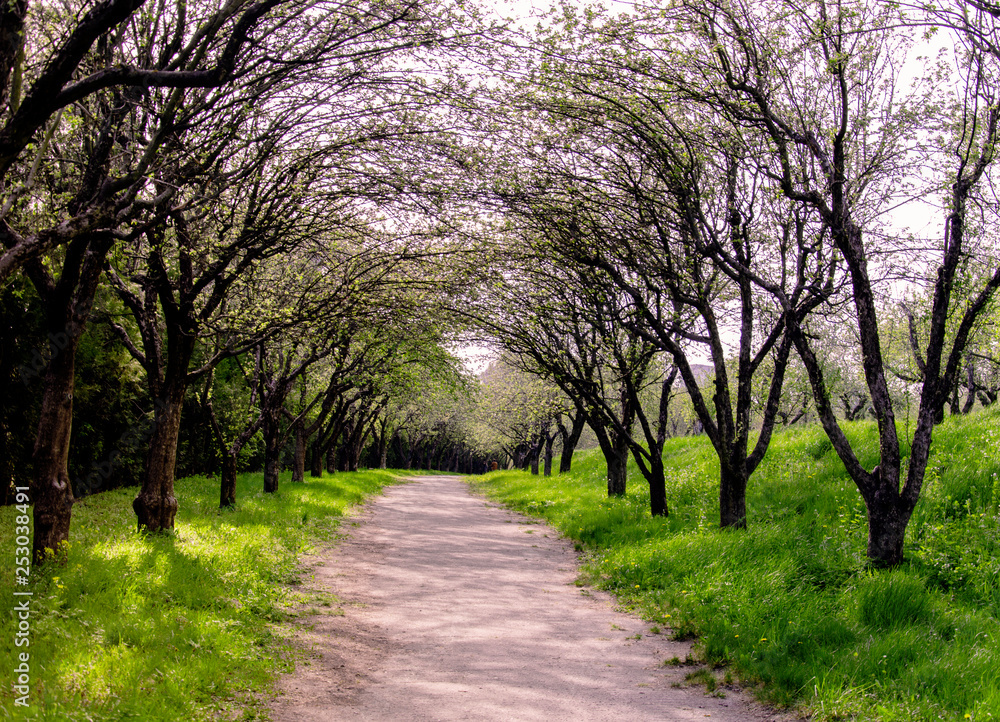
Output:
(206, 183)
(266, 221)
(724, 183)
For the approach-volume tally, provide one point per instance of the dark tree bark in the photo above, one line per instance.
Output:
(535, 452)
(316, 469)
(51, 490)
(299, 459)
(156, 506)
(68, 301)
(227, 485)
(570, 438)
(617, 470)
(613, 439)
(331, 458)
(382, 447)
(733, 496)
(271, 427)
(550, 440)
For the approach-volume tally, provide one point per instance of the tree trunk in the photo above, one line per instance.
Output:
(356, 445)
(617, 472)
(156, 506)
(68, 302)
(227, 484)
(569, 442)
(657, 488)
(331, 458)
(887, 522)
(353, 461)
(51, 491)
(970, 383)
(299, 460)
(381, 450)
(549, 442)
(317, 457)
(620, 452)
(733, 498)
(272, 449)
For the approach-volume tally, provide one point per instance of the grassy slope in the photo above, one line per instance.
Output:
(789, 603)
(171, 627)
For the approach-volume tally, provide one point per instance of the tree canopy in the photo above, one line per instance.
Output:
(278, 223)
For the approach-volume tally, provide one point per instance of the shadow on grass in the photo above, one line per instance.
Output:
(173, 626)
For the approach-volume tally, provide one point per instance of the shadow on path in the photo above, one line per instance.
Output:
(457, 609)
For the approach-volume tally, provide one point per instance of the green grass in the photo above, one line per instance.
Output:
(790, 605)
(172, 627)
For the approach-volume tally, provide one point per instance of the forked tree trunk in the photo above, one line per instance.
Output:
(51, 490)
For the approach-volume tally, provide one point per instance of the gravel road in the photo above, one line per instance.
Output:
(453, 608)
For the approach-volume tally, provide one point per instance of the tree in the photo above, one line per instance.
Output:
(265, 177)
(841, 135)
(667, 208)
(99, 158)
(186, 269)
(568, 324)
(73, 71)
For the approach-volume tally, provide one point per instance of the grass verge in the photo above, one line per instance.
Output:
(789, 605)
(171, 627)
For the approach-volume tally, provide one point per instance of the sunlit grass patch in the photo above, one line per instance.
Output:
(175, 626)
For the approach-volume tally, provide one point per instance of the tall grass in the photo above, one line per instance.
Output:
(790, 604)
(178, 627)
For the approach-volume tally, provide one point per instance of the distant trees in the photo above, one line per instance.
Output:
(517, 411)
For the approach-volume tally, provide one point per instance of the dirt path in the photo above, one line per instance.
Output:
(453, 608)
